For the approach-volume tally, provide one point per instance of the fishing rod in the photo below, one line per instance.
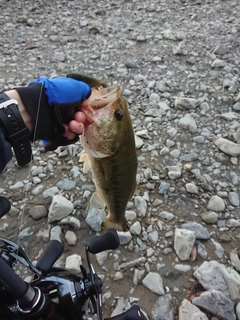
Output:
(53, 293)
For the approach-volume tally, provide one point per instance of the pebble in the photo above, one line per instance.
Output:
(66, 184)
(166, 215)
(71, 238)
(235, 260)
(215, 302)
(153, 282)
(186, 103)
(38, 212)
(136, 228)
(59, 208)
(73, 262)
(234, 199)
(183, 243)
(74, 223)
(188, 311)
(213, 275)
(192, 188)
(162, 309)
(216, 204)
(182, 267)
(210, 217)
(18, 185)
(141, 206)
(49, 193)
(182, 84)
(200, 231)
(228, 147)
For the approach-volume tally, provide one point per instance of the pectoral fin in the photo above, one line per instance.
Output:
(96, 202)
(86, 162)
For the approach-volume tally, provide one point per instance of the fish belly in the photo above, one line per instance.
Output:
(115, 180)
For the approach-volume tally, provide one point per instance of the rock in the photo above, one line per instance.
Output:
(95, 218)
(154, 97)
(50, 192)
(74, 223)
(38, 212)
(73, 262)
(236, 106)
(234, 199)
(153, 236)
(162, 308)
(153, 282)
(189, 157)
(192, 188)
(102, 257)
(56, 233)
(228, 147)
(71, 238)
(132, 263)
(164, 187)
(174, 172)
(201, 250)
(187, 123)
(38, 190)
(27, 232)
(216, 204)
(209, 217)
(124, 237)
(139, 142)
(235, 260)
(183, 243)
(215, 302)
(141, 206)
(200, 231)
(182, 267)
(136, 228)
(213, 275)
(66, 184)
(138, 276)
(117, 276)
(188, 311)
(224, 237)
(59, 208)
(166, 215)
(218, 249)
(218, 63)
(186, 103)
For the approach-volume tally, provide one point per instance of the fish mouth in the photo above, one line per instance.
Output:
(104, 97)
(98, 100)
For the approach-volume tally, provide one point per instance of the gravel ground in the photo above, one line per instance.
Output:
(178, 64)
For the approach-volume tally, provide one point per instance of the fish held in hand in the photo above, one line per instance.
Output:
(108, 139)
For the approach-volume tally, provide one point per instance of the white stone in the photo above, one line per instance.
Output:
(59, 208)
(153, 281)
(73, 262)
(183, 243)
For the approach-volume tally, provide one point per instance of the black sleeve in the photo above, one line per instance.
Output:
(5, 152)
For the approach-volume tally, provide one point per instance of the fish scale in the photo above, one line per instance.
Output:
(108, 139)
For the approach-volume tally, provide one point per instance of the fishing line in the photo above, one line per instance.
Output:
(31, 163)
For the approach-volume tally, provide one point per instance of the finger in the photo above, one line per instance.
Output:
(80, 117)
(68, 133)
(76, 127)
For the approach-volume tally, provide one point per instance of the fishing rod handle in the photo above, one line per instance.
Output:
(31, 302)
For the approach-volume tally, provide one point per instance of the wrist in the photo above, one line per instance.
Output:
(27, 119)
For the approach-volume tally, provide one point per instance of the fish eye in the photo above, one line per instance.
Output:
(118, 114)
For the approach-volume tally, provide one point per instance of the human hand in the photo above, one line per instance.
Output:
(54, 104)
(76, 126)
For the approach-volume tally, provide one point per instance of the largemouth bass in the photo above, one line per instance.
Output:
(108, 139)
